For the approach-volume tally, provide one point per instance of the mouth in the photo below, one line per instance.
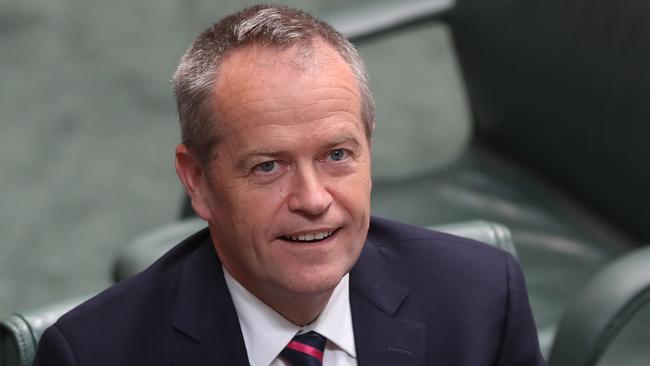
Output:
(310, 237)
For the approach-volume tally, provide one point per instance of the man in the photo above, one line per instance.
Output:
(276, 118)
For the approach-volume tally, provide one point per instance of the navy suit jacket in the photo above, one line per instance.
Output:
(417, 298)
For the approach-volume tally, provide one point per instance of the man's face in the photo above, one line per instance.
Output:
(287, 195)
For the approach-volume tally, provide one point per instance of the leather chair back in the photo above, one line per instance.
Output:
(562, 87)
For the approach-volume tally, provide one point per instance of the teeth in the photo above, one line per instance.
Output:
(309, 237)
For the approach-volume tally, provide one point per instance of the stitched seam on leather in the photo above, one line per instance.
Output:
(22, 340)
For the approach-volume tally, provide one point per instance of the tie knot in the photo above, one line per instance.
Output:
(305, 349)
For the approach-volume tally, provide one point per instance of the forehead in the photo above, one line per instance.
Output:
(316, 58)
(256, 79)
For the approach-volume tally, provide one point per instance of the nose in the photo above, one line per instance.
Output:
(309, 194)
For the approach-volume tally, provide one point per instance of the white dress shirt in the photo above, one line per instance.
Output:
(266, 332)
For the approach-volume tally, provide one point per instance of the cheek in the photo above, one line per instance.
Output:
(282, 193)
(353, 193)
(254, 208)
(359, 183)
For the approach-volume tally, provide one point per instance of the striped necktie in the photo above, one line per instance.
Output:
(305, 350)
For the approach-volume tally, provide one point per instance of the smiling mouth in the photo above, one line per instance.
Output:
(312, 237)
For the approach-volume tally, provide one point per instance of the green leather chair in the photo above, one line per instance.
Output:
(559, 86)
(602, 310)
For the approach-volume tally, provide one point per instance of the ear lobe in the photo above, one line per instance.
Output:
(190, 172)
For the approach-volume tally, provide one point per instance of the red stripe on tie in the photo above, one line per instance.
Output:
(301, 347)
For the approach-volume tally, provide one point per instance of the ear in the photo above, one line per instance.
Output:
(190, 171)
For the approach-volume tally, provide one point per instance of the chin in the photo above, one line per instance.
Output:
(312, 282)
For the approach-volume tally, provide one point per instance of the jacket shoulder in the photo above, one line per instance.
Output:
(161, 271)
(417, 253)
(134, 309)
(386, 233)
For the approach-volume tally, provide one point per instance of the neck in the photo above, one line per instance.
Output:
(300, 309)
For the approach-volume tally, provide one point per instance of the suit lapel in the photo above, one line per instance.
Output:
(376, 293)
(208, 331)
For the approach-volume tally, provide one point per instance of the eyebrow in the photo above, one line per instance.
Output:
(248, 155)
(342, 140)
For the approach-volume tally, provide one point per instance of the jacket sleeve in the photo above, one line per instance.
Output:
(519, 343)
(54, 350)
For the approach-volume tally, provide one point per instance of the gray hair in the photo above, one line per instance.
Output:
(264, 25)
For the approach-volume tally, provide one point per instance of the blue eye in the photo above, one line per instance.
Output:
(267, 166)
(338, 154)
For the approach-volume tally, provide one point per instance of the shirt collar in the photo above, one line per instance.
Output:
(266, 332)
(335, 321)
